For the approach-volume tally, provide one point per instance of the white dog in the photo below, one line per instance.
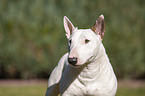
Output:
(85, 70)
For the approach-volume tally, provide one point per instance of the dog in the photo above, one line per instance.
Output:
(85, 70)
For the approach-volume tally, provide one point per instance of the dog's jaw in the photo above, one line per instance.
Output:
(75, 66)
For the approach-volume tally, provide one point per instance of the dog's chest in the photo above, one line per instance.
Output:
(92, 85)
(86, 83)
(84, 87)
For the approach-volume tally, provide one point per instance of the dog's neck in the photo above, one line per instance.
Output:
(93, 70)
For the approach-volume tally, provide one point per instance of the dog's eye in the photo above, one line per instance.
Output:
(69, 41)
(87, 41)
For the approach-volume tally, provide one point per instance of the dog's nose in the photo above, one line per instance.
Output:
(72, 61)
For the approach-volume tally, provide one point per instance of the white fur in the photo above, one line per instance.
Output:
(93, 76)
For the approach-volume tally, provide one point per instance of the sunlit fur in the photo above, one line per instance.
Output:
(93, 74)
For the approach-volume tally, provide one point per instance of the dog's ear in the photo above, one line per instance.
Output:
(68, 26)
(99, 26)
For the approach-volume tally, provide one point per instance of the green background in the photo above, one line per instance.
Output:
(32, 37)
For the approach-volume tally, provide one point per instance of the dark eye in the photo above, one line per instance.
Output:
(87, 41)
(69, 41)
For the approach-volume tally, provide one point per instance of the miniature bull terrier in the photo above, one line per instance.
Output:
(85, 70)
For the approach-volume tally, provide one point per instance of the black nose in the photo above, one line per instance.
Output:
(72, 61)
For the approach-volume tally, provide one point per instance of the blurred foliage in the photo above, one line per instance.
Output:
(32, 37)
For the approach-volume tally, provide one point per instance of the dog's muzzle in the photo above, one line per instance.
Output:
(72, 61)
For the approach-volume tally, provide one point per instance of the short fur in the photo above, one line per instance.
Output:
(93, 74)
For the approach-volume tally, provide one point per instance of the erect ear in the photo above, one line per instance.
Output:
(68, 26)
(99, 26)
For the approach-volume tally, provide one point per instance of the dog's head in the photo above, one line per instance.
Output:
(83, 44)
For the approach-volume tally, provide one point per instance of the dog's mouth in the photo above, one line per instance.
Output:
(75, 66)
(89, 60)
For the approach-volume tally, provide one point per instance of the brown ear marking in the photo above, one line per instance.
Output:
(99, 26)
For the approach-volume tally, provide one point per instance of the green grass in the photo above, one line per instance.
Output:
(23, 91)
(131, 91)
(39, 90)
